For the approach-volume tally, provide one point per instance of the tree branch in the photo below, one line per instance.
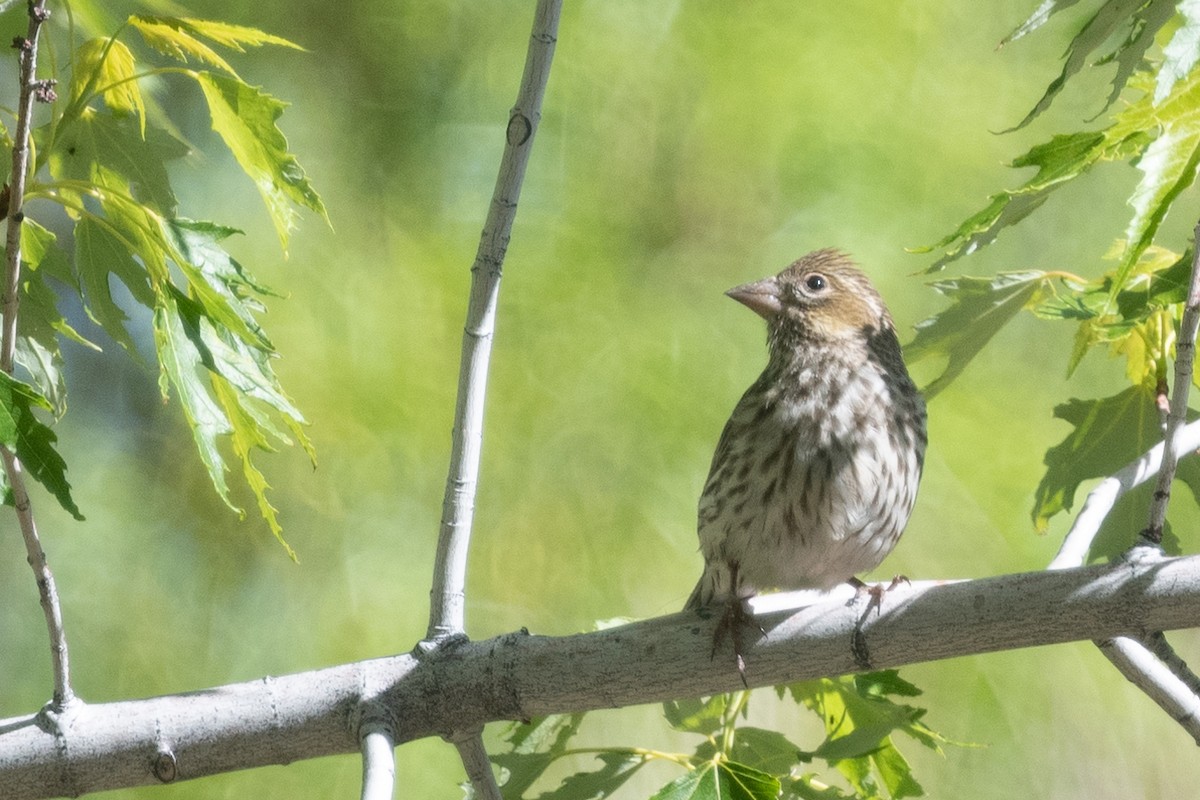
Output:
(10, 302)
(517, 676)
(446, 617)
(379, 761)
(1185, 354)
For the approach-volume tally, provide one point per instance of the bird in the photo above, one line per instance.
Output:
(816, 472)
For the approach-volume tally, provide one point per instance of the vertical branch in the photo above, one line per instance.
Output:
(379, 761)
(1185, 355)
(31, 89)
(446, 617)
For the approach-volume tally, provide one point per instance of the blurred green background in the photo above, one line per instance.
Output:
(685, 147)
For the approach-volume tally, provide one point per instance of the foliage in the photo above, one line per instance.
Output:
(733, 759)
(1130, 309)
(102, 156)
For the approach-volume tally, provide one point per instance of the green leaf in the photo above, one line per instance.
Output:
(696, 715)
(761, 749)
(979, 308)
(181, 359)
(1168, 166)
(1106, 435)
(883, 683)
(1182, 52)
(245, 118)
(98, 254)
(179, 38)
(32, 441)
(1103, 24)
(618, 768)
(721, 780)
(535, 746)
(1058, 161)
(807, 787)
(132, 161)
(106, 66)
(1038, 18)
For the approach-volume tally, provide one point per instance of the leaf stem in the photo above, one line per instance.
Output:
(10, 305)
(1185, 355)
(446, 613)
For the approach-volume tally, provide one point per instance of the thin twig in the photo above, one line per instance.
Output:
(1156, 679)
(48, 594)
(1185, 354)
(1104, 496)
(446, 615)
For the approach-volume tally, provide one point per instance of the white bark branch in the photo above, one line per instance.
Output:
(446, 612)
(379, 762)
(1147, 672)
(516, 676)
(1101, 499)
(10, 305)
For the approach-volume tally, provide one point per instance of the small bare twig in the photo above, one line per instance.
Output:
(1185, 354)
(31, 89)
(1150, 663)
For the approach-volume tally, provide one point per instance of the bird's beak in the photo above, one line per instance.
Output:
(761, 297)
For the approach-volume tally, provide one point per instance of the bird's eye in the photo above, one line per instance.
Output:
(816, 283)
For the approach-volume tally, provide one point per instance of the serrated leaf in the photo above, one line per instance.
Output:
(98, 254)
(535, 746)
(1168, 167)
(761, 749)
(181, 361)
(721, 780)
(1102, 25)
(1038, 18)
(1130, 56)
(1181, 53)
(1106, 434)
(106, 66)
(139, 159)
(235, 37)
(245, 118)
(169, 37)
(979, 308)
(616, 770)
(32, 441)
(1058, 161)
(696, 715)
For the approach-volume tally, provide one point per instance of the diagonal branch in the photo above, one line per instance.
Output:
(31, 89)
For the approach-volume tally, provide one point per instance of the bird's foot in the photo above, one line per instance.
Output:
(875, 590)
(733, 623)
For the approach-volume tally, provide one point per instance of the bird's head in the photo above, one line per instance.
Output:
(821, 298)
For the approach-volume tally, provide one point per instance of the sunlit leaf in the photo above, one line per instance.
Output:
(171, 38)
(535, 745)
(979, 308)
(235, 37)
(106, 66)
(245, 118)
(1106, 435)
(99, 254)
(32, 441)
(1102, 25)
(182, 361)
(721, 780)
(696, 715)
(808, 787)
(132, 161)
(759, 748)
(1057, 161)
(1181, 53)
